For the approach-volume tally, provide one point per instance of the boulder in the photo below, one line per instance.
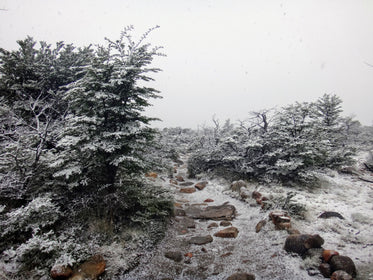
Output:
(175, 256)
(61, 272)
(241, 276)
(237, 185)
(188, 190)
(300, 243)
(330, 214)
(230, 232)
(201, 240)
(201, 185)
(343, 263)
(221, 212)
(341, 275)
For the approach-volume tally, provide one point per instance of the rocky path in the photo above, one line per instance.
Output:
(213, 236)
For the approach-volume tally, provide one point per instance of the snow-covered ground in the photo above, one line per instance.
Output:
(262, 253)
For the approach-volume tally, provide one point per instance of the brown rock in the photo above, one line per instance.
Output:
(328, 254)
(325, 270)
(260, 225)
(256, 195)
(230, 232)
(279, 217)
(241, 276)
(315, 241)
(330, 214)
(258, 201)
(212, 225)
(221, 212)
(175, 256)
(186, 184)
(343, 263)
(201, 240)
(187, 190)
(179, 178)
(61, 272)
(225, 223)
(295, 243)
(226, 254)
(201, 185)
(208, 200)
(341, 275)
(91, 269)
(283, 226)
(188, 255)
(151, 175)
(174, 182)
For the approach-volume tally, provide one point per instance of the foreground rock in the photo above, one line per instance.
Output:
(221, 212)
(91, 269)
(330, 214)
(230, 232)
(300, 243)
(241, 276)
(201, 185)
(175, 256)
(343, 263)
(201, 240)
(188, 190)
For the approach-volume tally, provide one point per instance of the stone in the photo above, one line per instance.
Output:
(293, 231)
(325, 270)
(343, 263)
(283, 226)
(175, 256)
(188, 255)
(328, 254)
(225, 223)
(174, 182)
(201, 185)
(300, 243)
(201, 240)
(230, 232)
(221, 212)
(213, 225)
(188, 222)
(61, 272)
(260, 225)
(330, 214)
(187, 190)
(151, 175)
(244, 193)
(256, 195)
(208, 200)
(179, 212)
(90, 269)
(341, 275)
(179, 178)
(280, 219)
(241, 276)
(237, 185)
(186, 184)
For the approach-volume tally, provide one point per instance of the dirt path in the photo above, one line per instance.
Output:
(260, 253)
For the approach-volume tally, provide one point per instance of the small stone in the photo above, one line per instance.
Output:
(256, 195)
(225, 224)
(174, 182)
(179, 178)
(241, 276)
(283, 226)
(230, 232)
(260, 225)
(201, 185)
(175, 256)
(208, 200)
(186, 184)
(213, 225)
(293, 231)
(328, 254)
(91, 269)
(151, 175)
(341, 275)
(244, 193)
(226, 254)
(189, 255)
(201, 240)
(330, 214)
(187, 190)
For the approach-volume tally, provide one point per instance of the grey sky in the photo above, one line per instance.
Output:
(223, 57)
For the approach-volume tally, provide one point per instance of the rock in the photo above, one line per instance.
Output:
(225, 224)
(244, 193)
(343, 263)
(341, 275)
(300, 243)
(213, 225)
(61, 272)
(237, 185)
(280, 219)
(201, 240)
(325, 270)
(187, 190)
(221, 212)
(283, 226)
(175, 256)
(208, 200)
(259, 225)
(330, 214)
(293, 231)
(186, 184)
(179, 178)
(151, 175)
(179, 212)
(241, 276)
(201, 185)
(188, 255)
(174, 182)
(230, 232)
(256, 195)
(258, 201)
(328, 254)
(91, 269)
(187, 222)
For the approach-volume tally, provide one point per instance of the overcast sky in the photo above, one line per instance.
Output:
(223, 57)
